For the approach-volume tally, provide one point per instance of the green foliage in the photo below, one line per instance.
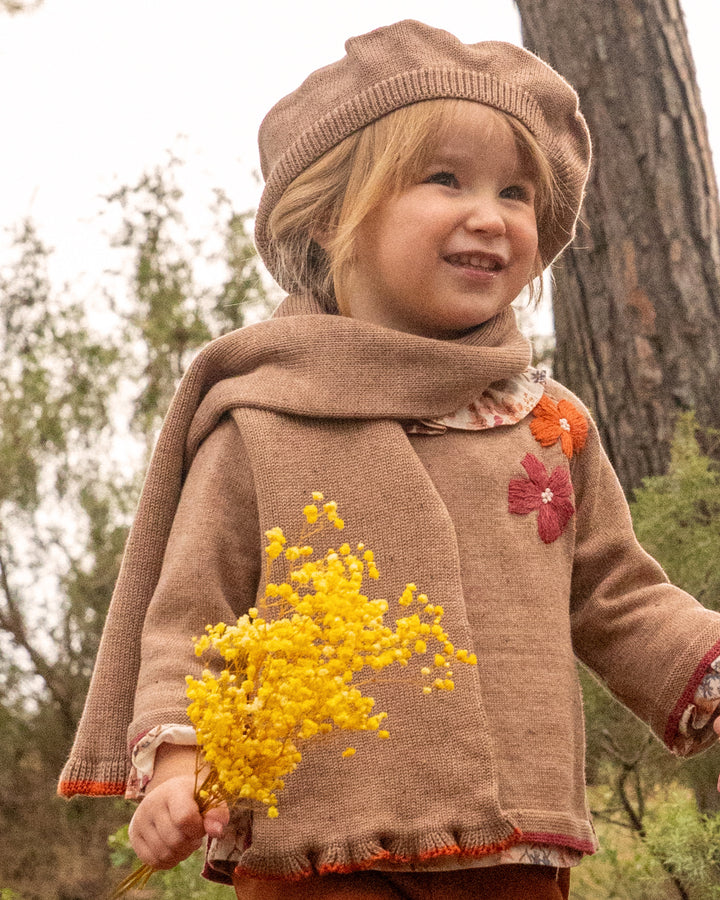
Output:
(55, 377)
(183, 881)
(677, 515)
(687, 844)
(623, 869)
(165, 316)
(680, 846)
(56, 384)
(242, 288)
(12, 7)
(184, 291)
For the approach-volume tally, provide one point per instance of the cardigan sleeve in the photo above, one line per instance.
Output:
(648, 641)
(210, 574)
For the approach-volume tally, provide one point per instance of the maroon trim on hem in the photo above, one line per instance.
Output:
(560, 840)
(688, 694)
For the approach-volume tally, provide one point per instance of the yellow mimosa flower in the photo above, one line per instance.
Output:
(293, 663)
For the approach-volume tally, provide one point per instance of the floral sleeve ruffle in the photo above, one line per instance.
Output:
(696, 722)
(143, 750)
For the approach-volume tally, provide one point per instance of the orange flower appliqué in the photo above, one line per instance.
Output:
(559, 421)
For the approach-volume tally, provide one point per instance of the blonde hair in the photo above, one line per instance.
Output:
(330, 199)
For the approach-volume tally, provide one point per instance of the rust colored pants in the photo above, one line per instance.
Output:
(508, 882)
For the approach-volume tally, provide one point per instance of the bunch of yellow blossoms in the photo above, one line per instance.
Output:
(294, 667)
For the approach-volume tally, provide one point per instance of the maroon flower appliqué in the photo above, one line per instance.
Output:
(548, 494)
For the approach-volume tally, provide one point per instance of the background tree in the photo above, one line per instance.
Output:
(637, 299)
(637, 322)
(83, 387)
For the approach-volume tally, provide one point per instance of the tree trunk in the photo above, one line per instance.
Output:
(637, 297)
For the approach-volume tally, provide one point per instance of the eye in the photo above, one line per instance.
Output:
(447, 179)
(525, 193)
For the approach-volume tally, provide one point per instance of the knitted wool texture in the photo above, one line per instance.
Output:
(306, 365)
(501, 758)
(407, 63)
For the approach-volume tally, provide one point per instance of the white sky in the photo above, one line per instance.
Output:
(95, 91)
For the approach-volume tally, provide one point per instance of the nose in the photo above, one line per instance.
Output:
(484, 214)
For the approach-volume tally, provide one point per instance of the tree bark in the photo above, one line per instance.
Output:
(637, 297)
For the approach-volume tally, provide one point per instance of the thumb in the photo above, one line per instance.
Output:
(215, 820)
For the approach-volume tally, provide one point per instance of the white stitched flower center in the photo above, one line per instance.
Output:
(564, 424)
(546, 496)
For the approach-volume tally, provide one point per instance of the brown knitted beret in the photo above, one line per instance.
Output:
(406, 63)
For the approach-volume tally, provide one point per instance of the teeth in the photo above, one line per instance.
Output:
(475, 261)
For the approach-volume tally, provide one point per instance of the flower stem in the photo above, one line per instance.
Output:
(138, 879)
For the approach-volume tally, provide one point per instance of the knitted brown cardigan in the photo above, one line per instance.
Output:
(316, 400)
(301, 363)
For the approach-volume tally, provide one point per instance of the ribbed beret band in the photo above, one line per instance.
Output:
(406, 63)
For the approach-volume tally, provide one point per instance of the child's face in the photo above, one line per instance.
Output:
(456, 247)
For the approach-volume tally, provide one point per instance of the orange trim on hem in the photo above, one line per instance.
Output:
(91, 788)
(339, 869)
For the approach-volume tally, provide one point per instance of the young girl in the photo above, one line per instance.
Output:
(413, 189)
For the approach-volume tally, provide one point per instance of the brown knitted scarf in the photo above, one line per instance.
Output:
(320, 397)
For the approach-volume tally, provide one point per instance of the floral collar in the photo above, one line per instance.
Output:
(504, 402)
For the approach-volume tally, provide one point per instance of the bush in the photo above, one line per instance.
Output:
(677, 515)
(679, 843)
(687, 844)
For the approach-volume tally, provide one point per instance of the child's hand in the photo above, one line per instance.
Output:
(167, 826)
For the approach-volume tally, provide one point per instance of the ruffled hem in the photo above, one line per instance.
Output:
(358, 856)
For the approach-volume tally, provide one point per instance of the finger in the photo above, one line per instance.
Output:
(174, 841)
(139, 829)
(149, 847)
(185, 815)
(163, 851)
(215, 820)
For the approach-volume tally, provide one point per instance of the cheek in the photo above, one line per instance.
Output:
(399, 238)
(401, 247)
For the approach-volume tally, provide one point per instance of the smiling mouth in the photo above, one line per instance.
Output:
(482, 262)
